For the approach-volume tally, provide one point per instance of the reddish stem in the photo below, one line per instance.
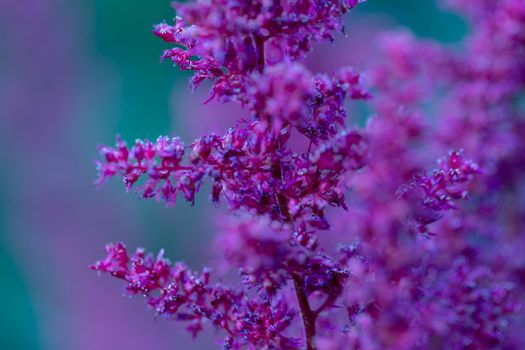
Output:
(259, 47)
(307, 315)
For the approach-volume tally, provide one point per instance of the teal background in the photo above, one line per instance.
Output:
(75, 73)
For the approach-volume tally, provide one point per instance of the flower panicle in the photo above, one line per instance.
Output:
(423, 269)
(248, 167)
(178, 293)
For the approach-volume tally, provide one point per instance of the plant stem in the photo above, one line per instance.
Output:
(307, 315)
(259, 47)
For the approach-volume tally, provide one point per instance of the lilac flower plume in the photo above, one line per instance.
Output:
(402, 234)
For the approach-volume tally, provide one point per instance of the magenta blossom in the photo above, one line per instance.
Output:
(344, 236)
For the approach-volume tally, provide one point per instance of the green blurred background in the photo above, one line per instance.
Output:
(72, 75)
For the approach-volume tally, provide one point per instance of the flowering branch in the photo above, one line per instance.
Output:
(397, 286)
(177, 293)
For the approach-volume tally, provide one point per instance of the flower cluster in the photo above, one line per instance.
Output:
(343, 235)
(224, 41)
(435, 192)
(249, 166)
(175, 291)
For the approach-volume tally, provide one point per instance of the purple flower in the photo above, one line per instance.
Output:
(178, 293)
(432, 257)
(434, 193)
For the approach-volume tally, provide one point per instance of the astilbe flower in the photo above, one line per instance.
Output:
(175, 291)
(434, 193)
(414, 267)
(232, 39)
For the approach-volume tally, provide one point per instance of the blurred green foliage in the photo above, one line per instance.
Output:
(426, 18)
(18, 325)
(123, 39)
